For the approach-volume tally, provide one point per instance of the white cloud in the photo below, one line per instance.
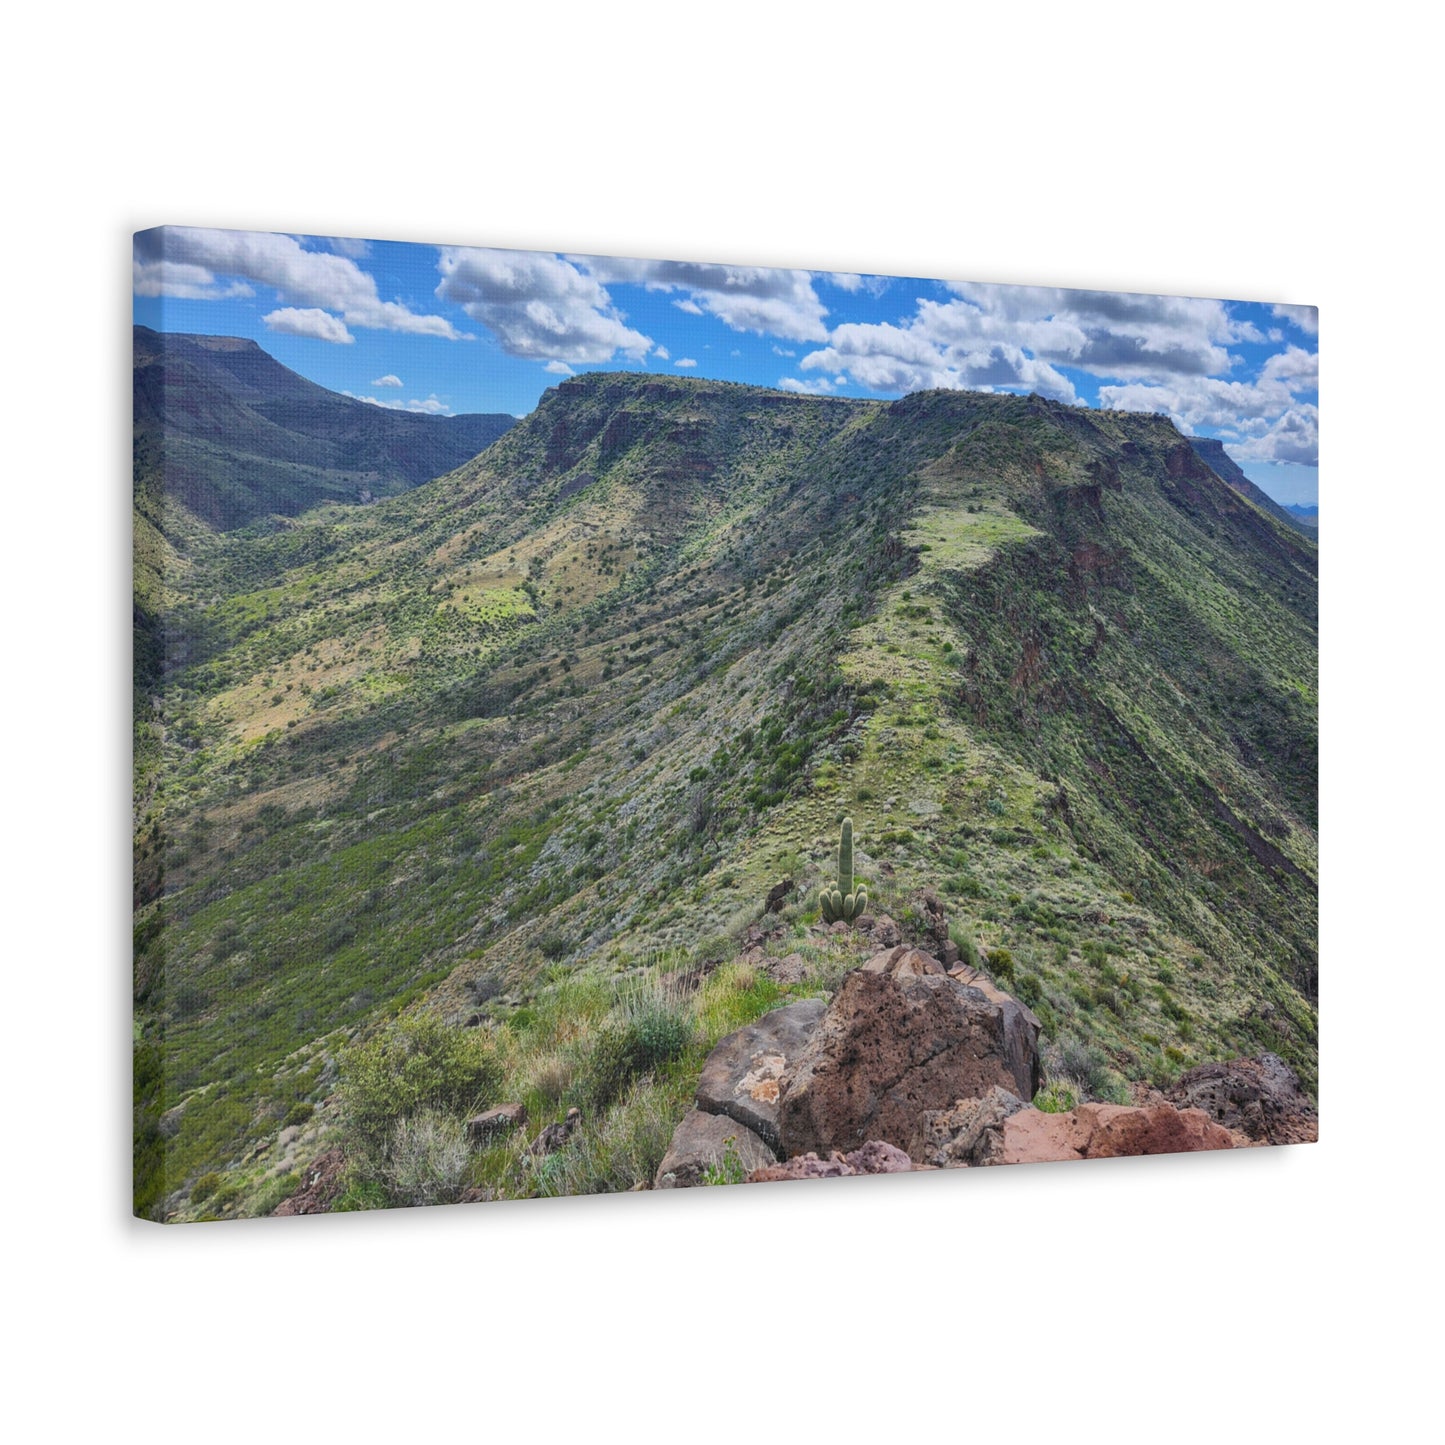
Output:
(819, 386)
(1297, 368)
(746, 298)
(432, 406)
(387, 380)
(558, 368)
(305, 280)
(927, 354)
(783, 351)
(1292, 437)
(310, 321)
(662, 354)
(1262, 420)
(537, 305)
(347, 246)
(186, 283)
(1307, 318)
(845, 280)
(684, 361)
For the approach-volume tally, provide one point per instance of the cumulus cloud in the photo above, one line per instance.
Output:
(763, 299)
(1292, 437)
(783, 351)
(1307, 318)
(310, 321)
(432, 406)
(159, 277)
(305, 280)
(1266, 419)
(558, 368)
(662, 354)
(684, 361)
(818, 386)
(347, 246)
(387, 380)
(932, 352)
(537, 305)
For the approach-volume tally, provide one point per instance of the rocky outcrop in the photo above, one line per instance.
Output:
(741, 1076)
(1259, 1100)
(787, 971)
(554, 1136)
(704, 1142)
(935, 926)
(1021, 1028)
(967, 1135)
(1108, 1131)
(494, 1124)
(321, 1185)
(882, 931)
(777, 894)
(875, 1157)
(902, 1038)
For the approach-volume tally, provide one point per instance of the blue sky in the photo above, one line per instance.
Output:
(450, 329)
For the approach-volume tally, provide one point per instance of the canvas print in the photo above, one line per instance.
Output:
(611, 724)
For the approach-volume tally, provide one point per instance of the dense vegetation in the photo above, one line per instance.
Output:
(516, 747)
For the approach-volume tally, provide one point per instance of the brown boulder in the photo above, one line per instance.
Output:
(969, 1134)
(710, 1141)
(776, 894)
(484, 1129)
(883, 932)
(900, 1038)
(740, 1077)
(1108, 1131)
(1260, 1099)
(554, 1136)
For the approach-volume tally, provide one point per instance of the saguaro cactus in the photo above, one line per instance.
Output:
(842, 903)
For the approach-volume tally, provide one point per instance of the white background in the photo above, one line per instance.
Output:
(1244, 151)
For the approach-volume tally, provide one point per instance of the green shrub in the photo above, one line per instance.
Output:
(1056, 1098)
(1001, 965)
(623, 1051)
(417, 1063)
(297, 1114)
(205, 1186)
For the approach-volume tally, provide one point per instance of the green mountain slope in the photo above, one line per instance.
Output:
(577, 705)
(245, 438)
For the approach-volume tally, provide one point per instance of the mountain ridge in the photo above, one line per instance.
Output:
(582, 702)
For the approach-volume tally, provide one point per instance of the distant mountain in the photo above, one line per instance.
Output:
(1212, 453)
(579, 705)
(246, 438)
(1310, 516)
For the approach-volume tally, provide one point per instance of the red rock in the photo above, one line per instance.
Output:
(1108, 1131)
(900, 1038)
